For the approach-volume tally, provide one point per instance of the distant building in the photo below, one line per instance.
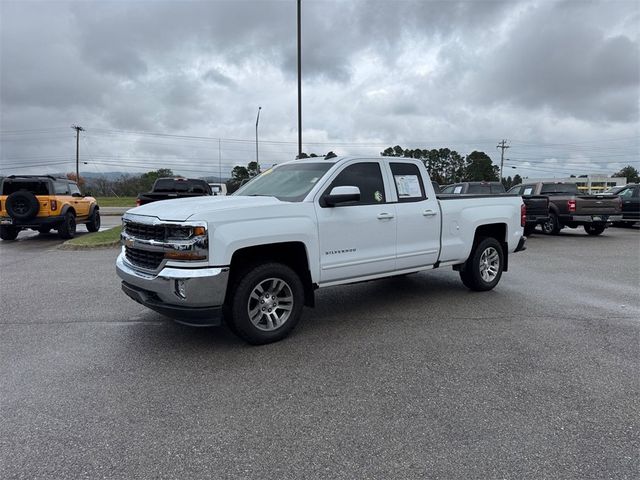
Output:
(588, 184)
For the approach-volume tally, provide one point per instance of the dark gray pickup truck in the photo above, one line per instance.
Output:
(537, 207)
(569, 208)
(169, 188)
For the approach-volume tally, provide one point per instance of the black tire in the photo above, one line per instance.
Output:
(44, 230)
(93, 225)
(529, 230)
(249, 281)
(8, 232)
(551, 226)
(594, 230)
(67, 228)
(472, 273)
(22, 205)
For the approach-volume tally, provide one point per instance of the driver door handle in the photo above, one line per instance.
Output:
(385, 216)
(429, 213)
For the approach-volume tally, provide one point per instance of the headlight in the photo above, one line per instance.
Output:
(185, 232)
(179, 233)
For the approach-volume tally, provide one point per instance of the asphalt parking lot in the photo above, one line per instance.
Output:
(414, 377)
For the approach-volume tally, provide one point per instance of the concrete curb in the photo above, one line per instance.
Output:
(114, 210)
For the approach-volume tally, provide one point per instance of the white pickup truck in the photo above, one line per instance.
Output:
(256, 257)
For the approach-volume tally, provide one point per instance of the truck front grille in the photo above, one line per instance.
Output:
(144, 258)
(145, 232)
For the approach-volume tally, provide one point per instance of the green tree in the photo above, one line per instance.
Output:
(252, 169)
(630, 173)
(444, 165)
(480, 168)
(517, 180)
(507, 182)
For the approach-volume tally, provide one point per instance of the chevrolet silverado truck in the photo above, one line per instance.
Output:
(255, 258)
(569, 208)
(169, 188)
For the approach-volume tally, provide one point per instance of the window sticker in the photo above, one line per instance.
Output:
(408, 186)
(378, 196)
(458, 189)
(528, 191)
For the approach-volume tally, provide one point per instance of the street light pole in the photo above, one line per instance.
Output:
(299, 87)
(257, 121)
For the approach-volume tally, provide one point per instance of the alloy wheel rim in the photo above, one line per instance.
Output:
(270, 304)
(489, 264)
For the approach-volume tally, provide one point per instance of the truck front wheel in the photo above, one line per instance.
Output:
(267, 303)
(483, 269)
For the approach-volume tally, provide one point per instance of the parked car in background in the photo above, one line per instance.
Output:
(218, 188)
(44, 203)
(256, 257)
(477, 188)
(537, 207)
(630, 197)
(169, 188)
(569, 208)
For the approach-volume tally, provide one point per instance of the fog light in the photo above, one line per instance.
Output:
(181, 288)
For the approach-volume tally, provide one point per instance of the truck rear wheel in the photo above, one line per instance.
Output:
(267, 303)
(483, 269)
(551, 226)
(594, 229)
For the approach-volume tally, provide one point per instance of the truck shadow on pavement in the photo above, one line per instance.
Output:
(370, 306)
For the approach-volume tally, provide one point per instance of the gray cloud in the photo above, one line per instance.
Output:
(374, 72)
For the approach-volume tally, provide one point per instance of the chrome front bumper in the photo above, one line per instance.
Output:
(193, 296)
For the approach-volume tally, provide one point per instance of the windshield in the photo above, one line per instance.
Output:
(289, 183)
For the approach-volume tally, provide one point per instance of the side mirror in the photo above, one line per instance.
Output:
(342, 195)
(76, 195)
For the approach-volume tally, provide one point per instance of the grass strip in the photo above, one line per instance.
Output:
(106, 238)
(116, 201)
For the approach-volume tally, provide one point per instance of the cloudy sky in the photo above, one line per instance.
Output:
(158, 83)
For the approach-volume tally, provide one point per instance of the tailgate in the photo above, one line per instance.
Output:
(597, 204)
(536, 204)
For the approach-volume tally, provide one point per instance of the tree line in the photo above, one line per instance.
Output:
(445, 166)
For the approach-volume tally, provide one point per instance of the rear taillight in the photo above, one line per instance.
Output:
(54, 204)
(572, 205)
(523, 215)
(137, 202)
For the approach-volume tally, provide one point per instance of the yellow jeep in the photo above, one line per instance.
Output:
(44, 203)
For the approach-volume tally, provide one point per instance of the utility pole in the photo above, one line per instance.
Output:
(220, 164)
(502, 145)
(299, 87)
(78, 129)
(257, 121)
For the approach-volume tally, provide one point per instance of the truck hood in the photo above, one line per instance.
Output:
(181, 209)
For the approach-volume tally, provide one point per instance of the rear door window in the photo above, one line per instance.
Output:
(408, 182)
